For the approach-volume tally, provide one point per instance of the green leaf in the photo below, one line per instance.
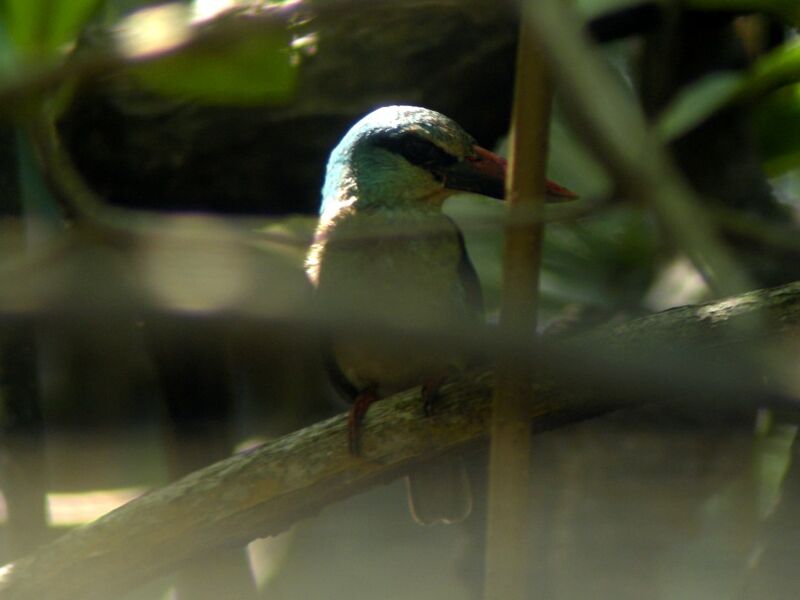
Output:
(175, 57)
(778, 68)
(249, 71)
(777, 122)
(40, 27)
(697, 103)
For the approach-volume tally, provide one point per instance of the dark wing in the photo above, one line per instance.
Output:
(340, 383)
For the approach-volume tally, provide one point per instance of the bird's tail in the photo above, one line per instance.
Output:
(439, 492)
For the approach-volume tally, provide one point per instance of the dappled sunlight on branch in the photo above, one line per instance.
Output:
(154, 30)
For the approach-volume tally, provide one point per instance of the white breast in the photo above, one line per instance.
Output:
(395, 269)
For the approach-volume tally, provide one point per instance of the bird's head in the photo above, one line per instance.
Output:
(406, 155)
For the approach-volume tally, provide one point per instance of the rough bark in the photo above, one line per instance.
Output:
(262, 492)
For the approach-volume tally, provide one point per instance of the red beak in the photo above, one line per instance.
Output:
(493, 167)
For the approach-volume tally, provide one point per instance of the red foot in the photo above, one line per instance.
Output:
(360, 406)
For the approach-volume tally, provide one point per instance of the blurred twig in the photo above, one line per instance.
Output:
(508, 521)
(761, 230)
(118, 225)
(616, 130)
(262, 492)
(23, 466)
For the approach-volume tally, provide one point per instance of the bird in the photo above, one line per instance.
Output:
(383, 249)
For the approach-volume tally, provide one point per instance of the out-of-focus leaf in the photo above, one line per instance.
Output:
(773, 457)
(777, 122)
(43, 26)
(778, 68)
(572, 165)
(606, 262)
(596, 7)
(697, 103)
(253, 68)
(249, 71)
(788, 10)
(40, 210)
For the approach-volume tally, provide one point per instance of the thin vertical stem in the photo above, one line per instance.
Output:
(508, 528)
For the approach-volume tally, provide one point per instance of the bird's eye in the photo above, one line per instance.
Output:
(418, 151)
(423, 153)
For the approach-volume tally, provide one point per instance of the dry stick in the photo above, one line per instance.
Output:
(508, 525)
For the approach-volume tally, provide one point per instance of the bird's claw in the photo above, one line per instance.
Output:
(354, 418)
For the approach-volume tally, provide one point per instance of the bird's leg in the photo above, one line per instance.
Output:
(432, 386)
(360, 406)
(430, 392)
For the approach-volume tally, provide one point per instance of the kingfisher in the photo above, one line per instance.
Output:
(383, 249)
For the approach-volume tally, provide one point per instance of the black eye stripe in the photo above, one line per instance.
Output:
(416, 150)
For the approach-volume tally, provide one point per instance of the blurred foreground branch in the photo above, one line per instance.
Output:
(264, 491)
(508, 521)
(617, 133)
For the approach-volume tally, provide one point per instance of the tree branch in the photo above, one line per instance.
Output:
(264, 491)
